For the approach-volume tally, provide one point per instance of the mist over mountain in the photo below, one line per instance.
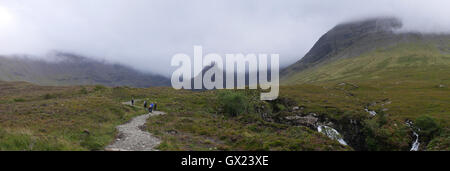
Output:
(246, 75)
(69, 69)
(357, 49)
(343, 36)
(137, 32)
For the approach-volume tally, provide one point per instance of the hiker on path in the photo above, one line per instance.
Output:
(132, 101)
(145, 104)
(150, 109)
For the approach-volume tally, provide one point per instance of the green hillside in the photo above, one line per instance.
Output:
(415, 75)
(357, 67)
(420, 60)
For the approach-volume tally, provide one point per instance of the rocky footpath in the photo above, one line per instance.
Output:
(132, 138)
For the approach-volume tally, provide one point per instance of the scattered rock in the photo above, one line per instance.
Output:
(309, 121)
(173, 132)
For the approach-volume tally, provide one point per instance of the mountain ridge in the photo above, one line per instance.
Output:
(70, 69)
(351, 40)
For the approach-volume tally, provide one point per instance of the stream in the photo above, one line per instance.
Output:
(416, 144)
(331, 133)
(335, 135)
(371, 112)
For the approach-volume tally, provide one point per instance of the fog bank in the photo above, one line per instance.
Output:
(146, 34)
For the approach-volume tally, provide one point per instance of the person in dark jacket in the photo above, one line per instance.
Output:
(145, 104)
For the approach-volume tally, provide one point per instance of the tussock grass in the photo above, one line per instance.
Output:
(59, 118)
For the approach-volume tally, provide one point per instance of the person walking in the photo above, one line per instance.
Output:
(150, 109)
(132, 101)
(145, 104)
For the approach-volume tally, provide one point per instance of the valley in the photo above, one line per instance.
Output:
(85, 117)
(364, 86)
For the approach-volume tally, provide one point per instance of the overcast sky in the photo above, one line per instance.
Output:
(146, 34)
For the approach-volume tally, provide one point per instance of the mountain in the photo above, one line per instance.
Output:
(372, 49)
(224, 72)
(69, 69)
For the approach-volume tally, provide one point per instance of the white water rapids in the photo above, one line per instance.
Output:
(371, 112)
(331, 133)
(416, 144)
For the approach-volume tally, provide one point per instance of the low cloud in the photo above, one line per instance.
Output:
(145, 34)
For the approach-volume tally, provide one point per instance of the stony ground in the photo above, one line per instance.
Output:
(132, 138)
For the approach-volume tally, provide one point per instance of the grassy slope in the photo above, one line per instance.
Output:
(59, 118)
(193, 123)
(408, 74)
(412, 61)
(414, 79)
(84, 118)
(55, 118)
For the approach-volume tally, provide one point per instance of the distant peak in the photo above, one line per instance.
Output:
(58, 56)
(373, 24)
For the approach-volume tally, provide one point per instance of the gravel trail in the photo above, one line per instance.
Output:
(132, 138)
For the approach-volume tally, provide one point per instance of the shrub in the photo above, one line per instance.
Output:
(233, 103)
(280, 107)
(428, 127)
(19, 100)
(99, 87)
(49, 96)
(441, 142)
(121, 92)
(91, 143)
(83, 90)
(384, 134)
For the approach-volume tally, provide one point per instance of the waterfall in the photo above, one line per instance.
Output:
(331, 133)
(371, 112)
(416, 144)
